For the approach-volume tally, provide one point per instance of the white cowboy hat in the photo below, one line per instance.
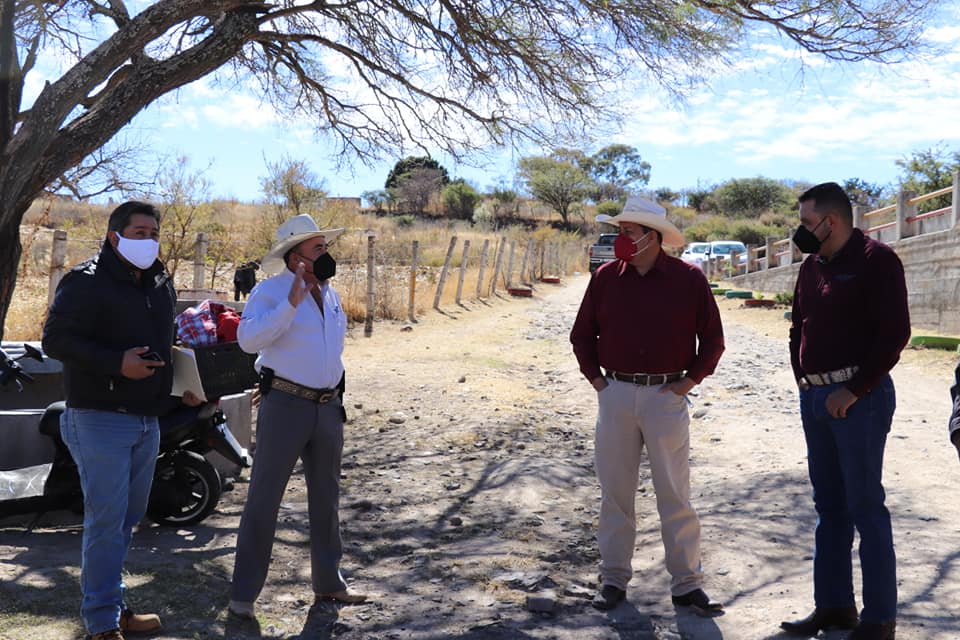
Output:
(289, 234)
(649, 214)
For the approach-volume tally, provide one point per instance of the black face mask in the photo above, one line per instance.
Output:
(324, 267)
(806, 240)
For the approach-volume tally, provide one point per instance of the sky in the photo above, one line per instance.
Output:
(774, 113)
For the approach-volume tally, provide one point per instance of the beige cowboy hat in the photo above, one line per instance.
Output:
(289, 234)
(649, 214)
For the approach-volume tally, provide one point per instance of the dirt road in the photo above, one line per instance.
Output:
(469, 487)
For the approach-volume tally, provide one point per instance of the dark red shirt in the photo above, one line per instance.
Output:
(650, 323)
(850, 311)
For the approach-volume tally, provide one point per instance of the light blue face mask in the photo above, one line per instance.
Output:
(140, 253)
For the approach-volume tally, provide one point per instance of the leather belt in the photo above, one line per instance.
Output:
(320, 396)
(831, 377)
(645, 379)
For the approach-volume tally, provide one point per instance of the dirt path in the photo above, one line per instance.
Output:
(469, 486)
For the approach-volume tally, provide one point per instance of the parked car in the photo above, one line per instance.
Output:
(602, 251)
(695, 252)
(724, 248)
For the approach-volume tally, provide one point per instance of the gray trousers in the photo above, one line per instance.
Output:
(630, 418)
(288, 428)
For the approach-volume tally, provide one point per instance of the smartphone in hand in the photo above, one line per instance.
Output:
(152, 355)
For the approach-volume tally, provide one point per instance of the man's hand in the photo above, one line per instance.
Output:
(136, 368)
(679, 387)
(839, 401)
(191, 399)
(955, 439)
(599, 383)
(299, 288)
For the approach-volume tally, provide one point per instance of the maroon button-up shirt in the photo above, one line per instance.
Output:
(651, 323)
(850, 311)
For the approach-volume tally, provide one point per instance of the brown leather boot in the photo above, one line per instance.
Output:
(139, 624)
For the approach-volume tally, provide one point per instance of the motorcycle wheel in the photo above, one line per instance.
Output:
(198, 490)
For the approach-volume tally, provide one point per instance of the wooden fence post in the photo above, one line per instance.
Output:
(411, 310)
(371, 285)
(508, 276)
(483, 266)
(199, 260)
(523, 265)
(772, 259)
(443, 273)
(58, 257)
(542, 249)
(463, 268)
(497, 263)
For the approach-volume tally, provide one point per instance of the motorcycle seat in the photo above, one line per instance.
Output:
(50, 422)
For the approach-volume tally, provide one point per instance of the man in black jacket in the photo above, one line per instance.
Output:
(111, 325)
(954, 423)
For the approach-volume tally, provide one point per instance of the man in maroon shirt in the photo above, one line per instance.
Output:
(650, 320)
(849, 323)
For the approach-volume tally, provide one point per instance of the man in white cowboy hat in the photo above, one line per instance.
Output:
(647, 332)
(295, 323)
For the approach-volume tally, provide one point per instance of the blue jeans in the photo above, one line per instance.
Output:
(115, 455)
(845, 459)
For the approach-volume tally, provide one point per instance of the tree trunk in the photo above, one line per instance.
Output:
(9, 265)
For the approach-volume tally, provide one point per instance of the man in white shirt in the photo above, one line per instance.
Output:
(295, 323)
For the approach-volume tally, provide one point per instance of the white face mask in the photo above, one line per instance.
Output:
(139, 253)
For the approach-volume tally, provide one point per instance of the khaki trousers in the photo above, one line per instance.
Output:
(629, 418)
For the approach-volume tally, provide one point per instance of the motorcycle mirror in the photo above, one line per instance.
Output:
(32, 352)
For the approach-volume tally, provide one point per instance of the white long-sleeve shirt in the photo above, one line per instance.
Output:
(298, 343)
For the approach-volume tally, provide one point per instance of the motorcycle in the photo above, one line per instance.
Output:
(186, 486)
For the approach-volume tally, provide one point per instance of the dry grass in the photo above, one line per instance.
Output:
(239, 232)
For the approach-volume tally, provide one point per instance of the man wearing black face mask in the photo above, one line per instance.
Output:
(849, 323)
(295, 322)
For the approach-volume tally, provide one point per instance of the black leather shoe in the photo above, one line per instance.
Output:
(822, 619)
(698, 600)
(608, 597)
(874, 631)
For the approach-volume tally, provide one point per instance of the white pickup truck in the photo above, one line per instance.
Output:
(602, 251)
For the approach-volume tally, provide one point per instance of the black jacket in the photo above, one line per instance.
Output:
(100, 310)
(955, 395)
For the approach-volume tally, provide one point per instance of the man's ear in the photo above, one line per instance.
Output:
(113, 237)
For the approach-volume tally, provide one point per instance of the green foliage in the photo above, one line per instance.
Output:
(379, 199)
(617, 169)
(406, 220)
(700, 199)
(721, 228)
(557, 183)
(750, 197)
(291, 187)
(667, 195)
(784, 298)
(609, 207)
(929, 170)
(864, 193)
(407, 165)
(751, 232)
(460, 200)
